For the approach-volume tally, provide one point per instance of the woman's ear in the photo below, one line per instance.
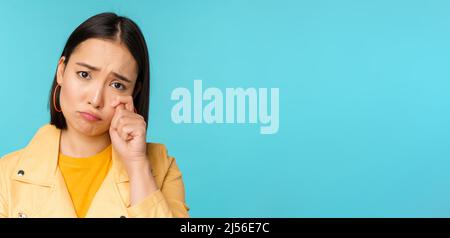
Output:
(60, 69)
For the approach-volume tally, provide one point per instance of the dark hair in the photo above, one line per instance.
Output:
(109, 26)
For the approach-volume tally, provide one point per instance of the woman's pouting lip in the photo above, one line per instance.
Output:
(89, 116)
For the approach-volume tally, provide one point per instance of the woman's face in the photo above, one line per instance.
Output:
(98, 71)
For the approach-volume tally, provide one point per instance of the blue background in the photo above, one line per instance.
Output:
(364, 99)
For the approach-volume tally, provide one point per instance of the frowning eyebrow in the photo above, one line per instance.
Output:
(93, 68)
(121, 77)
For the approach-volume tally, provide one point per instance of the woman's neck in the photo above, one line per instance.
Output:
(78, 145)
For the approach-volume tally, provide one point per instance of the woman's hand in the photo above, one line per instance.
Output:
(128, 134)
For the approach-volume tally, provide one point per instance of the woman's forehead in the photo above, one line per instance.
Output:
(107, 55)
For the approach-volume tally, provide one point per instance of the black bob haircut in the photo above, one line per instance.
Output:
(113, 27)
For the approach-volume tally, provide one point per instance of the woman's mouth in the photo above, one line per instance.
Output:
(89, 116)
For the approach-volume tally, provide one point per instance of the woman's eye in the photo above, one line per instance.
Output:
(118, 86)
(83, 74)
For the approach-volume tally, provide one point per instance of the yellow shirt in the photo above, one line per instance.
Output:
(84, 176)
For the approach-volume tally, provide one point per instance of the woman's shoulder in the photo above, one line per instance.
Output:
(41, 135)
(159, 157)
(8, 161)
(157, 150)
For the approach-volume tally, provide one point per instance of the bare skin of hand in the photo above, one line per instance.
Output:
(128, 138)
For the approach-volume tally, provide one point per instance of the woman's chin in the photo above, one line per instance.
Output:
(91, 128)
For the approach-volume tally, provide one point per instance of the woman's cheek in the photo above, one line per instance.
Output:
(65, 98)
(109, 116)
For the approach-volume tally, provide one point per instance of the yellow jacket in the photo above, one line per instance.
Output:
(31, 184)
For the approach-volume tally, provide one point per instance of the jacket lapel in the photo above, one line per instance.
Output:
(40, 189)
(112, 198)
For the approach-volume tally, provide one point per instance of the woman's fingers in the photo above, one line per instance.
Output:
(116, 116)
(125, 122)
(120, 115)
(130, 128)
(125, 100)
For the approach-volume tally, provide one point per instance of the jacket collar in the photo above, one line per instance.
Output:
(38, 164)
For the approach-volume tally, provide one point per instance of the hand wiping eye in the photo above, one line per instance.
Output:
(128, 130)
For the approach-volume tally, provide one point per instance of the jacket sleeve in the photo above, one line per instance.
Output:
(168, 201)
(3, 205)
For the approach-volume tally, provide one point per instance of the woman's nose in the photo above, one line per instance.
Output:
(96, 97)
